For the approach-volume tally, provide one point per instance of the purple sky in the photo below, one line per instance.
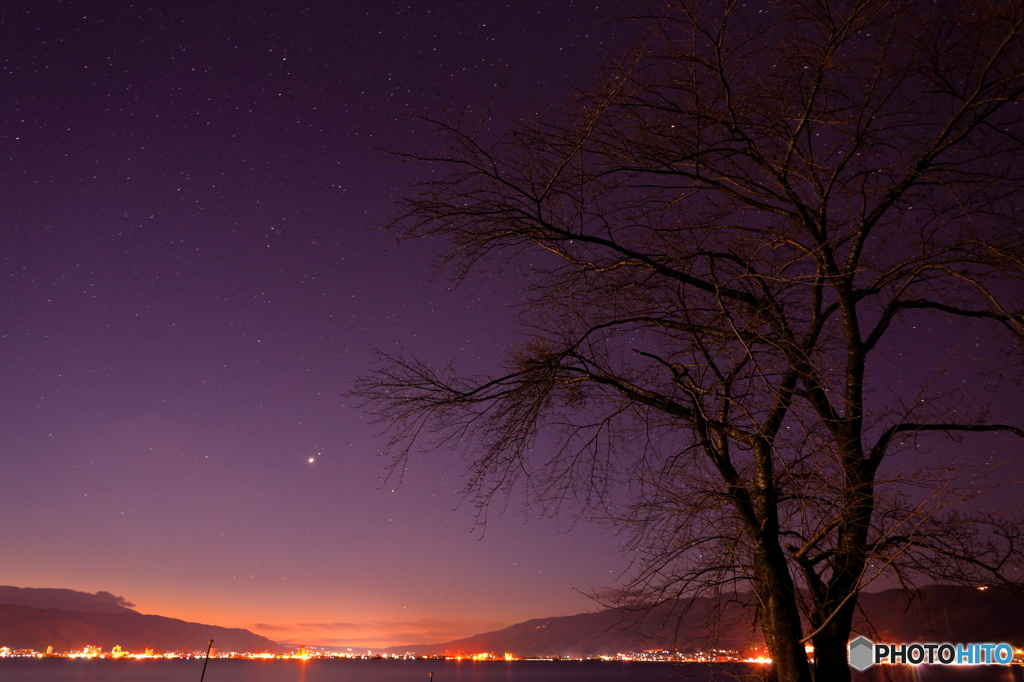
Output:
(190, 280)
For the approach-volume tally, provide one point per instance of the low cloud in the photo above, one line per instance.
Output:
(305, 626)
(380, 633)
(105, 596)
(293, 627)
(424, 631)
(328, 626)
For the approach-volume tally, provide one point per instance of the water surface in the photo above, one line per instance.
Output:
(229, 670)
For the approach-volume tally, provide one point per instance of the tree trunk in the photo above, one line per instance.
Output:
(830, 653)
(780, 620)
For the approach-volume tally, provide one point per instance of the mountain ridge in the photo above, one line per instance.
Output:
(935, 613)
(65, 599)
(68, 620)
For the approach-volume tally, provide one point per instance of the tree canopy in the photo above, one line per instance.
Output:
(722, 236)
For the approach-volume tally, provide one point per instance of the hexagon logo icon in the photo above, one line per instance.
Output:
(861, 650)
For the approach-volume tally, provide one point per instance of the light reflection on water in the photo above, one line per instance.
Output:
(942, 673)
(223, 670)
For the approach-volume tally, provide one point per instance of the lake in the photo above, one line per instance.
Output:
(229, 670)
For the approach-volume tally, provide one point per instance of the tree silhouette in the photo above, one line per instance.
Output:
(722, 239)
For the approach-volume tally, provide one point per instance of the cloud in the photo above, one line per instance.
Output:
(380, 633)
(328, 626)
(105, 596)
(305, 626)
(424, 630)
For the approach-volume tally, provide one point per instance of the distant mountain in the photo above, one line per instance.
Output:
(944, 613)
(937, 613)
(609, 632)
(66, 600)
(29, 621)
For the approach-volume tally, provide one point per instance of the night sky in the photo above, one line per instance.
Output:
(190, 280)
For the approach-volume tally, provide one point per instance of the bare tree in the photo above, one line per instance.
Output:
(721, 239)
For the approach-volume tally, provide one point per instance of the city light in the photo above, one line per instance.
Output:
(319, 653)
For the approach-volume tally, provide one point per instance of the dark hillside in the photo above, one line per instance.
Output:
(24, 627)
(935, 614)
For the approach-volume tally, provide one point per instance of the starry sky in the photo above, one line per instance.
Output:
(190, 280)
